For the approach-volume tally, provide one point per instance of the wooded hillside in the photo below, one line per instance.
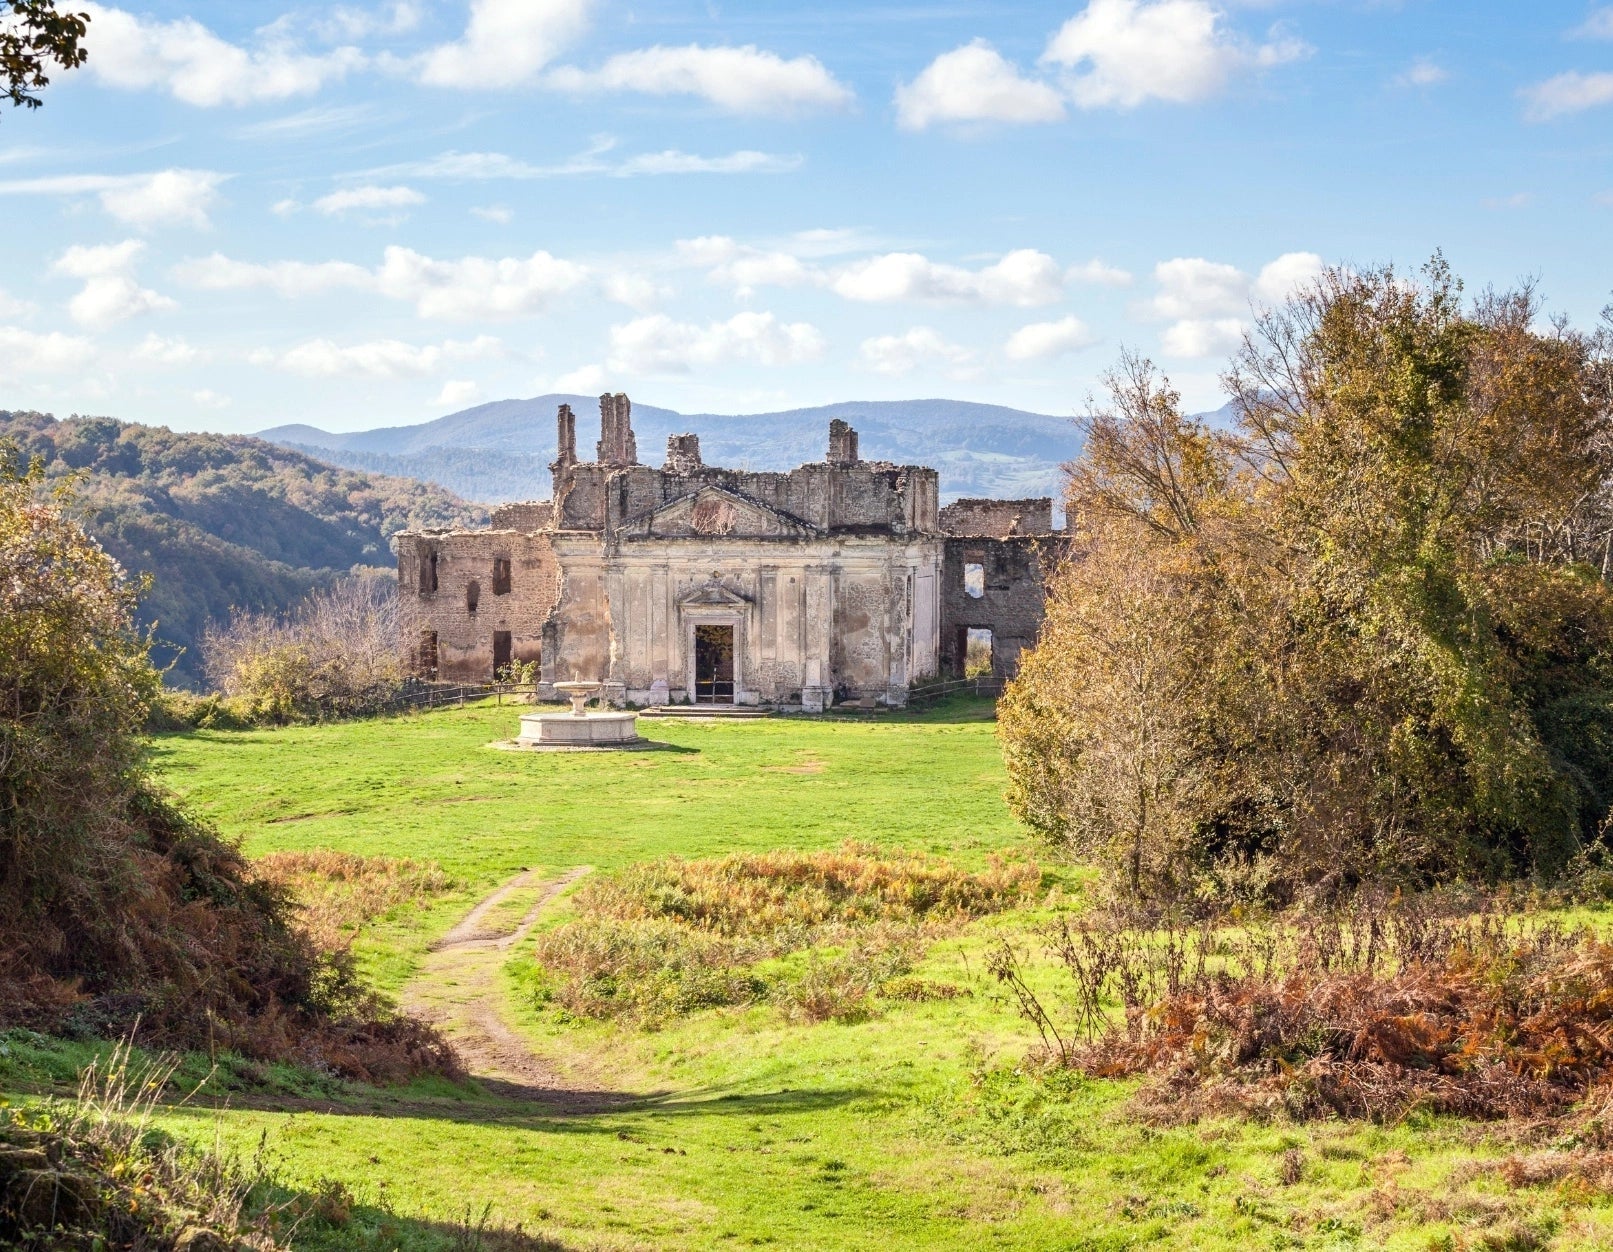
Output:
(224, 521)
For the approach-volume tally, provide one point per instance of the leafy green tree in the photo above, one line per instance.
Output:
(33, 36)
(1400, 657)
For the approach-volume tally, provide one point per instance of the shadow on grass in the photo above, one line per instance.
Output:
(491, 1102)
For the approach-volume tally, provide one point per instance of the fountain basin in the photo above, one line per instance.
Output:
(579, 731)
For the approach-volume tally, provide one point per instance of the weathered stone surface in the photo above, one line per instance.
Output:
(831, 578)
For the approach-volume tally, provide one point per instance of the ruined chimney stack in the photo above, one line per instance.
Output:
(682, 454)
(565, 436)
(842, 443)
(616, 443)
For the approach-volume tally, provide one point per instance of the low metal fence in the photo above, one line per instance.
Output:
(939, 691)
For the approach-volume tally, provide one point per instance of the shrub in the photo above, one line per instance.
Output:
(338, 893)
(335, 655)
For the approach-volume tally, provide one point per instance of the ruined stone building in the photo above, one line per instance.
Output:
(840, 580)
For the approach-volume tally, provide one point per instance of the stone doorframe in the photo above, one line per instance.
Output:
(693, 616)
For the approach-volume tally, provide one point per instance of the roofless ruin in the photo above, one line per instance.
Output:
(841, 580)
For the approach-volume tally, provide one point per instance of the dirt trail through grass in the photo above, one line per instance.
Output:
(458, 988)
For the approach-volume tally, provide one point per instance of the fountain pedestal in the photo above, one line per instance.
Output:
(579, 729)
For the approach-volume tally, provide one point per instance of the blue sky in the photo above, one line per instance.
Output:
(252, 213)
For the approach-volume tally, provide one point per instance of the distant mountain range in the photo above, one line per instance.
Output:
(501, 450)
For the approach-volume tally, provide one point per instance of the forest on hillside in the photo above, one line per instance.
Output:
(221, 522)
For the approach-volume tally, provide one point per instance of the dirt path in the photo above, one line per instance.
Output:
(459, 988)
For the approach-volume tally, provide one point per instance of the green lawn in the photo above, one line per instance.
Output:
(917, 1128)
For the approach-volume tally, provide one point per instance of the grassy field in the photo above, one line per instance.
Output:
(915, 1128)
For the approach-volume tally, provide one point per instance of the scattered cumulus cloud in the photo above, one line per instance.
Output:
(1517, 200)
(747, 80)
(501, 214)
(172, 197)
(110, 293)
(634, 290)
(1208, 303)
(379, 358)
(1123, 53)
(1023, 277)
(1599, 25)
(367, 200)
(1423, 72)
(25, 352)
(506, 43)
(192, 64)
(166, 351)
(457, 393)
(344, 22)
(896, 355)
(584, 380)
(461, 288)
(207, 398)
(14, 306)
(1041, 341)
(657, 344)
(1571, 92)
(593, 161)
(974, 84)
(1099, 273)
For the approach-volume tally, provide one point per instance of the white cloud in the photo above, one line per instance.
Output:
(173, 197)
(1209, 302)
(1599, 25)
(161, 351)
(1122, 53)
(1202, 337)
(1572, 92)
(197, 67)
(585, 380)
(1096, 271)
(346, 22)
(24, 352)
(896, 355)
(473, 286)
(974, 83)
(658, 345)
(379, 358)
(468, 287)
(743, 267)
(505, 44)
(12, 306)
(367, 199)
(1042, 340)
(633, 290)
(1290, 272)
(591, 162)
(747, 80)
(285, 208)
(110, 293)
(1517, 200)
(1424, 72)
(457, 393)
(285, 278)
(1024, 277)
(210, 399)
(494, 213)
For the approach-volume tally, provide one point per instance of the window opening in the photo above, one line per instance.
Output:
(473, 595)
(428, 653)
(977, 653)
(501, 654)
(974, 581)
(428, 573)
(501, 576)
(714, 664)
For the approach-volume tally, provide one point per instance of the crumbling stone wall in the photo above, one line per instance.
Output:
(468, 588)
(528, 518)
(1012, 600)
(998, 519)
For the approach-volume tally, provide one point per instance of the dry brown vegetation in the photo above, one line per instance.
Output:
(339, 893)
(1435, 1003)
(673, 936)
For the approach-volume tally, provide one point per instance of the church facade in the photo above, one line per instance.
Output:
(837, 581)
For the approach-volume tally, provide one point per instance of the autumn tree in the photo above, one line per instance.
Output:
(1367, 633)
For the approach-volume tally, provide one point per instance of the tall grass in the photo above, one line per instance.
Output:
(674, 936)
(338, 893)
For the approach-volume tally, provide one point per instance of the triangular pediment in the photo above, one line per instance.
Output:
(712, 595)
(715, 513)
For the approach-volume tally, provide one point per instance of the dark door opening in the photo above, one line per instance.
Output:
(428, 654)
(714, 664)
(501, 654)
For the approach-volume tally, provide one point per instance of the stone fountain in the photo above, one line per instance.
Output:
(579, 729)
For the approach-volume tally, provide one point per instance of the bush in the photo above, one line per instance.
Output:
(336, 655)
(115, 906)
